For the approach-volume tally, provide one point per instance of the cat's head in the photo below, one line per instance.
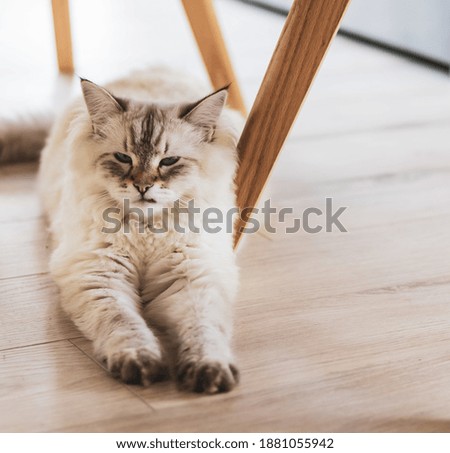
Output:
(150, 154)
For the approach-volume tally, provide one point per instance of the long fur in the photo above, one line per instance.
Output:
(148, 301)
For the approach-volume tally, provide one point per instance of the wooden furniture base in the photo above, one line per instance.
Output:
(307, 33)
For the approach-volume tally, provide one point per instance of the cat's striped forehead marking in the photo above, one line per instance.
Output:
(146, 133)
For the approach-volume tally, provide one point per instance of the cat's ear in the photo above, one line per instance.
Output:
(205, 112)
(101, 104)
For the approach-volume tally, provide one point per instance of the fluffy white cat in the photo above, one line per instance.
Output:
(149, 301)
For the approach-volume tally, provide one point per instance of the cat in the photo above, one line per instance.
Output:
(152, 303)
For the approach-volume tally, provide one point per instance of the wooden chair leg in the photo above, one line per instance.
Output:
(206, 30)
(63, 38)
(307, 33)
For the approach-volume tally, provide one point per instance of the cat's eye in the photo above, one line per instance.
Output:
(168, 161)
(124, 158)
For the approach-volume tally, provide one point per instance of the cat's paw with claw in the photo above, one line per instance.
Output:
(137, 366)
(207, 377)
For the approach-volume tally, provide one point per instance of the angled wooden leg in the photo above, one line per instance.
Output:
(63, 38)
(209, 39)
(307, 33)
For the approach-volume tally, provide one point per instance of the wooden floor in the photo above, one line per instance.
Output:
(334, 331)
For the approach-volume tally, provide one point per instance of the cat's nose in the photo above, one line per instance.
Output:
(142, 188)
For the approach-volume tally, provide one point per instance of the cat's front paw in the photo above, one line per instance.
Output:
(137, 366)
(207, 377)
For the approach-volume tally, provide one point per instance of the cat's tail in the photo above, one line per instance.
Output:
(23, 139)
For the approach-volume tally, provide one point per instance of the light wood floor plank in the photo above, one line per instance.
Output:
(30, 313)
(381, 154)
(55, 386)
(23, 248)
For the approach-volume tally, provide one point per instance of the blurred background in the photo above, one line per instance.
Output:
(412, 27)
(111, 39)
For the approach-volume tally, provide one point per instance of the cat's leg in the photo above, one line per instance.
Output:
(99, 292)
(195, 313)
